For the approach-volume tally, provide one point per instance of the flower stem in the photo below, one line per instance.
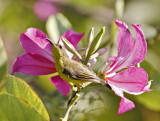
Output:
(71, 104)
(119, 8)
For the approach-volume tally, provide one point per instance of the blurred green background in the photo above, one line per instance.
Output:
(96, 103)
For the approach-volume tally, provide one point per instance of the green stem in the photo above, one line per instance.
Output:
(70, 107)
(87, 59)
(119, 8)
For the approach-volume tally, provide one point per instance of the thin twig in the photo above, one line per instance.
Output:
(70, 107)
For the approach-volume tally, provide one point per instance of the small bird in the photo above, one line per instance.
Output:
(71, 70)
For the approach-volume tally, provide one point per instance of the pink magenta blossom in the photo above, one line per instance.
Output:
(43, 9)
(122, 75)
(39, 60)
(133, 80)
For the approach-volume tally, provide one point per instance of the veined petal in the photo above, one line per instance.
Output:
(73, 38)
(133, 80)
(62, 86)
(33, 64)
(140, 47)
(117, 90)
(125, 44)
(124, 41)
(34, 41)
(106, 65)
(129, 54)
(111, 59)
(125, 105)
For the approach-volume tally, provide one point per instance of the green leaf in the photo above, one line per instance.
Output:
(3, 63)
(151, 99)
(56, 26)
(20, 102)
(46, 85)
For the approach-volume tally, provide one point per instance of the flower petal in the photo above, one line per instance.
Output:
(124, 40)
(132, 80)
(117, 90)
(111, 59)
(62, 86)
(129, 54)
(33, 64)
(73, 37)
(125, 44)
(140, 47)
(125, 105)
(34, 41)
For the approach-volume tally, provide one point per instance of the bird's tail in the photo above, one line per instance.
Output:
(105, 84)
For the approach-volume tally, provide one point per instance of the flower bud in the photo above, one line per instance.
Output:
(95, 44)
(71, 48)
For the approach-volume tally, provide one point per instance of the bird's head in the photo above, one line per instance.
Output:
(57, 50)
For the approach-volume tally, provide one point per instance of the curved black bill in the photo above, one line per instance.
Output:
(50, 41)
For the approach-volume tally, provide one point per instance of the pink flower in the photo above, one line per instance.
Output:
(134, 79)
(43, 9)
(38, 59)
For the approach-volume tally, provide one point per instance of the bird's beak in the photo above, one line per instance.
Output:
(50, 41)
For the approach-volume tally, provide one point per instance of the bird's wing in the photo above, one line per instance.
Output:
(82, 73)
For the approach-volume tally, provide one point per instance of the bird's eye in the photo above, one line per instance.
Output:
(60, 47)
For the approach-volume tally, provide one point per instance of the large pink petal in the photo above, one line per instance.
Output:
(133, 80)
(124, 41)
(129, 54)
(62, 86)
(125, 105)
(73, 37)
(33, 64)
(140, 47)
(125, 46)
(34, 41)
